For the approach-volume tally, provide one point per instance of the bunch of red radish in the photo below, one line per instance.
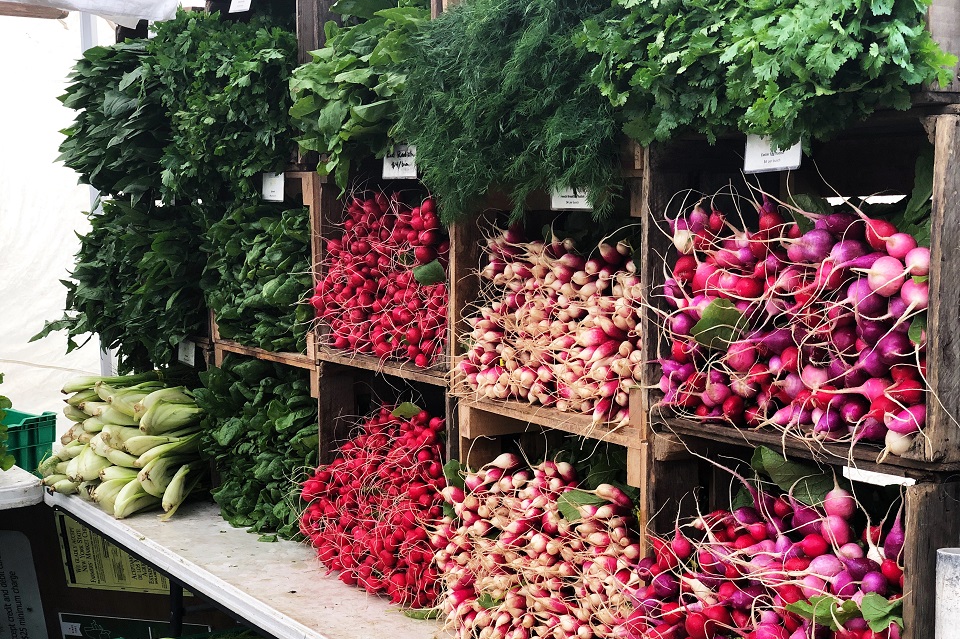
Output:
(734, 574)
(369, 295)
(368, 512)
(557, 328)
(515, 568)
(823, 345)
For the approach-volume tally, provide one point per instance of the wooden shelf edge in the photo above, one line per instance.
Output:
(292, 359)
(838, 454)
(356, 360)
(573, 423)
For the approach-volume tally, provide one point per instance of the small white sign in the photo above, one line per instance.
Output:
(569, 199)
(70, 629)
(236, 6)
(759, 157)
(186, 352)
(401, 164)
(877, 479)
(273, 187)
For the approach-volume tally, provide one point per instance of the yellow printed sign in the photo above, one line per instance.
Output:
(90, 561)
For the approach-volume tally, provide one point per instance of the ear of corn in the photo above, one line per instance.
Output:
(78, 384)
(184, 481)
(93, 424)
(132, 498)
(78, 398)
(113, 416)
(93, 408)
(74, 414)
(113, 473)
(175, 395)
(163, 417)
(115, 435)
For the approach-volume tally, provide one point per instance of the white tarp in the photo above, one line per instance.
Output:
(124, 12)
(41, 207)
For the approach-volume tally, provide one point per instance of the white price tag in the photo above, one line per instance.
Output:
(236, 6)
(273, 187)
(401, 164)
(186, 352)
(759, 157)
(569, 199)
(877, 479)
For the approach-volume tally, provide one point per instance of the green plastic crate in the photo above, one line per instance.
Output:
(29, 437)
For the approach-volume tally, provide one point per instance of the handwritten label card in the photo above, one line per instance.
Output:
(186, 352)
(569, 199)
(273, 187)
(236, 6)
(761, 158)
(401, 164)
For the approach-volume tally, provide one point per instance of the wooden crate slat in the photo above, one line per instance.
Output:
(942, 433)
(932, 521)
(291, 359)
(359, 360)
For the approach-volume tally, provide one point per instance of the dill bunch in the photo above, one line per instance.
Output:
(498, 96)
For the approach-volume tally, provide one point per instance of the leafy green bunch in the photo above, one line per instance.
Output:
(791, 70)
(257, 271)
(224, 85)
(120, 130)
(497, 95)
(6, 460)
(261, 433)
(345, 97)
(136, 284)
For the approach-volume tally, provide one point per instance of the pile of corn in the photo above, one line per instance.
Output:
(135, 444)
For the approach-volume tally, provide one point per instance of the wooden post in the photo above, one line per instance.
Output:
(932, 522)
(942, 433)
(311, 16)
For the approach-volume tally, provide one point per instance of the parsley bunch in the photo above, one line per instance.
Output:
(790, 70)
(224, 85)
(498, 95)
(345, 95)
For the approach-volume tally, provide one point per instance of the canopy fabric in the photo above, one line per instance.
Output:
(123, 12)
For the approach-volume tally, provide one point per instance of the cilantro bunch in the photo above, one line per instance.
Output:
(257, 271)
(497, 95)
(790, 70)
(261, 433)
(345, 97)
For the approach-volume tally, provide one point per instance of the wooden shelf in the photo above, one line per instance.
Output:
(574, 423)
(280, 588)
(291, 359)
(863, 456)
(434, 376)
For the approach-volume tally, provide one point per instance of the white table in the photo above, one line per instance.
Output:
(279, 588)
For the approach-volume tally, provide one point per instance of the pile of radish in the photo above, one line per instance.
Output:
(818, 333)
(383, 292)
(531, 555)
(369, 511)
(778, 569)
(555, 327)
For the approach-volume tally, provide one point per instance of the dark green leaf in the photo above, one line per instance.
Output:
(569, 503)
(719, 325)
(918, 329)
(808, 484)
(432, 273)
(406, 410)
(880, 612)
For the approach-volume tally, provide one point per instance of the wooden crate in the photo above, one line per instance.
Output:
(675, 475)
(326, 213)
(886, 147)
